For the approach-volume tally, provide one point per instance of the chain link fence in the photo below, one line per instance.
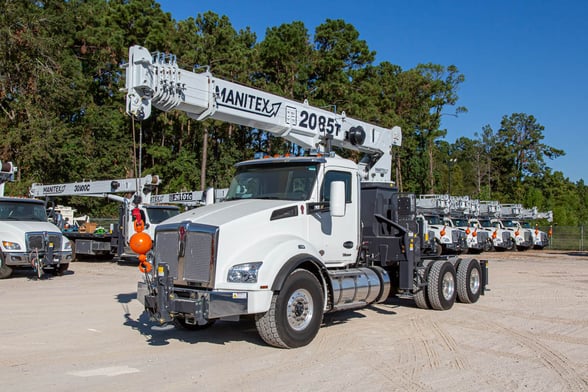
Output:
(567, 237)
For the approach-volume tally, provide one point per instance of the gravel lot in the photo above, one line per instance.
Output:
(86, 331)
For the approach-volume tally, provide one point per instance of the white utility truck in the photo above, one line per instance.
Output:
(295, 237)
(111, 242)
(435, 208)
(463, 212)
(540, 238)
(510, 215)
(27, 239)
(502, 239)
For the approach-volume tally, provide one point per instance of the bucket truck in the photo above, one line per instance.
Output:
(113, 241)
(295, 237)
(27, 239)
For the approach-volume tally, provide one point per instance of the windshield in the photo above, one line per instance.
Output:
(434, 220)
(488, 223)
(460, 222)
(22, 211)
(159, 214)
(509, 223)
(277, 181)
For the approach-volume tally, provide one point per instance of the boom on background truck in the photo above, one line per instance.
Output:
(113, 243)
(295, 237)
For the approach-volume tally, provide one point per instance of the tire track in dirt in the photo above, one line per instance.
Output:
(332, 347)
(551, 359)
(529, 316)
(451, 345)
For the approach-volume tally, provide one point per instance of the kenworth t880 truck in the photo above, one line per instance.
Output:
(295, 237)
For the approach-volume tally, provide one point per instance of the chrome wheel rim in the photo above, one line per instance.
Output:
(448, 286)
(300, 309)
(475, 281)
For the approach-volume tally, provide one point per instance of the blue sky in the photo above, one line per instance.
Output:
(517, 56)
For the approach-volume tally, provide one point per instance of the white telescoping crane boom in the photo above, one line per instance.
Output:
(156, 80)
(99, 188)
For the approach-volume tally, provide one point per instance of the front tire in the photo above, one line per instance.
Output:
(469, 281)
(295, 313)
(5, 271)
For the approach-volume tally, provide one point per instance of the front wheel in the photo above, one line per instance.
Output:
(295, 313)
(5, 271)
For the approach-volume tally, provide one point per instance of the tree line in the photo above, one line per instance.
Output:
(63, 112)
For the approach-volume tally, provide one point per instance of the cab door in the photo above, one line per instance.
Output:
(337, 238)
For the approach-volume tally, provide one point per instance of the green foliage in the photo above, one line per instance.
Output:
(62, 108)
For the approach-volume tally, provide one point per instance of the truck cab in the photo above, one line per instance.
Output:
(502, 239)
(25, 233)
(477, 239)
(449, 238)
(522, 237)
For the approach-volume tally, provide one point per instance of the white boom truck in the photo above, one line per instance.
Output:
(462, 214)
(114, 242)
(26, 235)
(449, 239)
(510, 215)
(296, 236)
(502, 239)
(540, 238)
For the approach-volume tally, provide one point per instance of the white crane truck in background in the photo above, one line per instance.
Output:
(540, 238)
(462, 214)
(502, 239)
(113, 242)
(510, 215)
(449, 239)
(296, 236)
(27, 239)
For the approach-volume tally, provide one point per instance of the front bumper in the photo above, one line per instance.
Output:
(23, 259)
(164, 302)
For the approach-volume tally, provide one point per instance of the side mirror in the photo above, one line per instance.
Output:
(337, 202)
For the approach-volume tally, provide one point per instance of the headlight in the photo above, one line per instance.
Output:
(10, 245)
(244, 273)
(67, 245)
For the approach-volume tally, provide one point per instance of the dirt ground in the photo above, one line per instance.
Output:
(86, 331)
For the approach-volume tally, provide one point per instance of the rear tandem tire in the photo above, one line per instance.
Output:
(420, 298)
(295, 314)
(469, 281)
(441, 285)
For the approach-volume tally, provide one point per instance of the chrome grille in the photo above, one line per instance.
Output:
(166, 250)
(190, 256)
(198, 256)
(41, 240)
